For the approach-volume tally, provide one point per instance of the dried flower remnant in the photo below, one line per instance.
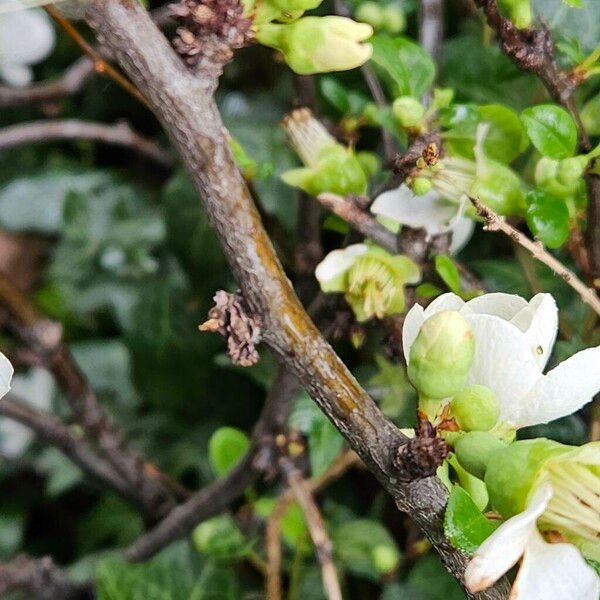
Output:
(230, 318)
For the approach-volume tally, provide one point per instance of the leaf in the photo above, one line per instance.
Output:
(429, 580)
(464, 524)
(293, 524)
(548, 218)
(61, 473)
(405, 63)
(391, 388)
(448, 271)
(346, 101)
(505, 138)
(590, 115)
(227, 446)
(217, 582)
(357, 544)
(428, 290)
(551, 129)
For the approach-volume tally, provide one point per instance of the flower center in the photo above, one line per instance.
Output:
(372, 282)
(575, 506)
(308, 136)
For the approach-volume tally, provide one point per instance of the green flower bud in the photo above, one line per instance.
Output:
(369, 162)
(385, 559)
(319, 44)
(570, 170)
(475, 408)
(370, 114)
(475, 449)
(264, 11)
(442, 354)
(330, 166)
(219, 537)
(371, 13)
(499, 187)
(394, 19)
(408, 111)
(421, 185)
(519, 12)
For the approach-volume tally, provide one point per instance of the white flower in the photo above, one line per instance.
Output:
(547, 572)
(513, 342)
(6, 373)
(429, 211)
(26, 38)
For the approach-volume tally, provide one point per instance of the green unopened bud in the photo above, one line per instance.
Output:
(408, 111)
(385, 559)
(264, 11)
(421, 185)
(319, 44)
(219, 537)
(570, 170)
(475, 449)
(330, 166)
(500, 188)
(369, 162)
(519, 12)
(475, 408)
(442, 354)
(371, 13)
(394, 19)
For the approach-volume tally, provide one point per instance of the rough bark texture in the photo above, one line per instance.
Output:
(184, 104)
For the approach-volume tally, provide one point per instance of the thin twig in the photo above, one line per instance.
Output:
(337, 469)
(316, 528)
(431, 27)
(494, 222)
(120, 134)
(100, 65)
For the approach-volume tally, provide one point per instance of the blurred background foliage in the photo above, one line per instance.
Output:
(125, 259)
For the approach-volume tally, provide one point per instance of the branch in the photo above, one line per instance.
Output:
(337, 469)
(431, 27)
(54, 432)
(184, 103)
(217, 496)
(494, 222)
(70, 82)
(44, 338)
(41, 579)
(120, 134)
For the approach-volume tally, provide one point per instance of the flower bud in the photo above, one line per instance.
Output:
(474, 450)
(394, 19)
(319, 44)
(442, 354)
(519, 12)
(570, 170)
(475, 408)
(330, 166)
(385, 558)
(408, 111)
(371, 13)
(369, 162)
(420, 185)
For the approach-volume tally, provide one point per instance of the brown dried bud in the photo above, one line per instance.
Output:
(229, 317)
(421, 456)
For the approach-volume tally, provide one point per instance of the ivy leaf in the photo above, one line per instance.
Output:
(409, 67)
(448, 271)
(547, 217)
(227, 446)
(551, 130)
(464, 524)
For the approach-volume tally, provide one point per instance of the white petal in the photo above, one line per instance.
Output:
(403, 206)
(506, 545)
(410, 329)
(503, 362)
(462, 230)
(16, 75)
(26, 37)
(505, 306)
(6, 373)
(336, 263)
(539, 322)
(447, 301)
(554, 572)
(564, 390)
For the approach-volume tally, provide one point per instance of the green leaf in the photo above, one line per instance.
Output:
(410, 69)
(428, 290)
(429, 580)
(220, 537)
(464, 524)
(551, 130)
(358, 543)
(391, 388)
(548, 218)
(505, 138)
(573, 3)
(293, 524)
(346, 101)
(217, 582)
(448, 271)
(227, 446)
